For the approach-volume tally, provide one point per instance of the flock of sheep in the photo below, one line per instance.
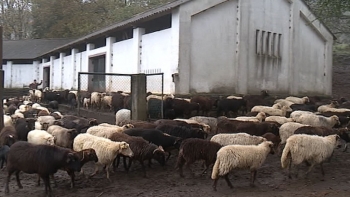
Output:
(290, 127)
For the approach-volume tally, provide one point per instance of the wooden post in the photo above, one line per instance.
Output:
(1, 85)
(138, 97)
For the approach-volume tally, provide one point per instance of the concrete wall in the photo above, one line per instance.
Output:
(156, 58)
(17, 75)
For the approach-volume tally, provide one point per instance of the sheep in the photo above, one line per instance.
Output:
(3, 155)
(204, 126)
(23, 126)
(142, 150)
(284, 102)
(43, 122)
(288, 129)
(122, 117)
(86, 103)
(317, 120)
(96, 100)
(234, 97)
(240, 156)
(182, 132)
(126, 126)
(40, 137)
(8, 136)
(297, 100)
(258, 118)
(272, 111)
(325, 108)
(309, 148)
(296, 114)
(7, 121)
(107, 101)
(281, 120)
(106, 131)
(211, 121)
(237, 138)
(106, 150)
(43, 160)
(194, 149)
(63, 137)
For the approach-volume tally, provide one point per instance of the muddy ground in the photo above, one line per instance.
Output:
(165, 181)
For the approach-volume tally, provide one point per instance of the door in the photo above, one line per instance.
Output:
(97, 83)
(46, 77)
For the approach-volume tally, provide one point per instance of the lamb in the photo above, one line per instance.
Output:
(40, 137)
(122, 117)
(142, 150)
(107, 101)
(258, 118)
(106, 131)
(106, 150)
(317, 120)
(240, 156)
(7, 121)
(297, 100)
(281, 120)
(309, 148)
(63, 137)
(86, 103)
(96, 100)
(225, 139)
(194, 149)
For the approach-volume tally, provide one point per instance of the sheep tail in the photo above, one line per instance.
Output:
(215, 173)
(285, 159)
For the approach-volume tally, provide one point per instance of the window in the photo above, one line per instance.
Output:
(268, 44)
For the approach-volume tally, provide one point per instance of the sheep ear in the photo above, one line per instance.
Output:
(161, 148)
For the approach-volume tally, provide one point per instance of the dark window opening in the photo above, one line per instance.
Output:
(99, 42)
(157, 24)
(124, 35)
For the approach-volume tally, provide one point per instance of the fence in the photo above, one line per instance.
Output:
(110, 83)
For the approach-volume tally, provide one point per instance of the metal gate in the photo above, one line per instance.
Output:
(114, 82)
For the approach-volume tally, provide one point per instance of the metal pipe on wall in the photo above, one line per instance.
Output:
(1, 84)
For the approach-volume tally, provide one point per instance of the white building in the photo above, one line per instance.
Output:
(201, 46)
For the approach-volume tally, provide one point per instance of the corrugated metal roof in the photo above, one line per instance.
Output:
(129, 22)
(29, 49)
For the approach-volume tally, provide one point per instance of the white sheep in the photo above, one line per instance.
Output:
(225, 139)
(287, 130)
(325, 108)
(8, 121)
(318, 120)
(240, 156)
(58, 113)
(122, 117)
(284, 102)
(298, 100)
(40, 137)
(96, 99)
(258, 118)
(86, 103)
(74, 92)
(281, 120)
(63, 137)
(296, 114)
(234, 97)
(43, 122)
(24, 108)
(211, 121)
(106, 150)
(107, 101)
(309, 148)
(272, 111)
(106, 131)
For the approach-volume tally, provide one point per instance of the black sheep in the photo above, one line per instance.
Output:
(3, 155)
(156, 137)
(8, 136)
(23, 126)
(193, 149)
(182, 132)
(43, 160)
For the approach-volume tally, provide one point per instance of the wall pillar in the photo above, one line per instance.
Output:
(1, 95)
(109, 62)
(138, 97)
(74, 64)
(62, 69)
(138, 32)
(9, 77)
(52, 75)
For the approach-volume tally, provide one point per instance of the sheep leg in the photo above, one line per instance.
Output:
(206, 167)
(168, 156)
(143, 168)
(345, 147)
(310, 168)
(7, 190)
(72, 178)
(321, 164)
(46, 179)
(18, 181)
(107, 170)
(127, 167)
(290, 168)
(228, 181)
(54, 180)
(252, 177)
(38, 182)
(117, 159)
(215, 183)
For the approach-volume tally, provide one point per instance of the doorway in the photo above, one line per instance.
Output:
(46, 77)
(97, 83)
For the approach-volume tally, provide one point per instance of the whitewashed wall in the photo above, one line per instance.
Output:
(17, 75)
(157, 57)
(68, 73)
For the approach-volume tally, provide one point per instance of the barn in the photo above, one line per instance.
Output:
(201, 46)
